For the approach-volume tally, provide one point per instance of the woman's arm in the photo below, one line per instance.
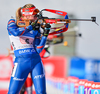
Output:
(43, 40)
(15, 30)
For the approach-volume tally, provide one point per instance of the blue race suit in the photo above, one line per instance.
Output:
(27, 44)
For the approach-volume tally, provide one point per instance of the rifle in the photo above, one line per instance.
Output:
(44, 20)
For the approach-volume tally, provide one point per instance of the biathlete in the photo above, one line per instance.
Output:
(27, 44)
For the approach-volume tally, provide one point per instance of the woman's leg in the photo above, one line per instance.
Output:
(18, 77)
(38, 77)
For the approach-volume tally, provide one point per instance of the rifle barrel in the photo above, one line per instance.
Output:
(80, 19)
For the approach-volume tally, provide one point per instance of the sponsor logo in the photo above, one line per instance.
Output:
(95, 86)
(82, 82)
(15, 78)
(39, 76)
(59, 12)
(27, 13)
(24, 51)
(27, 10)
(25, 46)
(59, 31)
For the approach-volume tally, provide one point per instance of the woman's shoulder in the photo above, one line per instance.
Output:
(11, 21)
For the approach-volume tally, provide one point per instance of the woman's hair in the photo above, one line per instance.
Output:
(28, 6)
(18, 12)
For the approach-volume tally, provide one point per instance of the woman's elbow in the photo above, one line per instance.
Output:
(14, 34)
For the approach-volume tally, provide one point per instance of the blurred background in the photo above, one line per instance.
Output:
(81, 55)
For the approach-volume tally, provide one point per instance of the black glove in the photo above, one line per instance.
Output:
(35, 26)
(46, 30)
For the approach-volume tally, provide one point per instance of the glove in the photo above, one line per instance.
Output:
(35, 26)
(46, 30)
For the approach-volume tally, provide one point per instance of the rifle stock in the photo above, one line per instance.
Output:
(43, 21)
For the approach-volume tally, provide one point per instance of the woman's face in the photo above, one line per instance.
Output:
(29, 17)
